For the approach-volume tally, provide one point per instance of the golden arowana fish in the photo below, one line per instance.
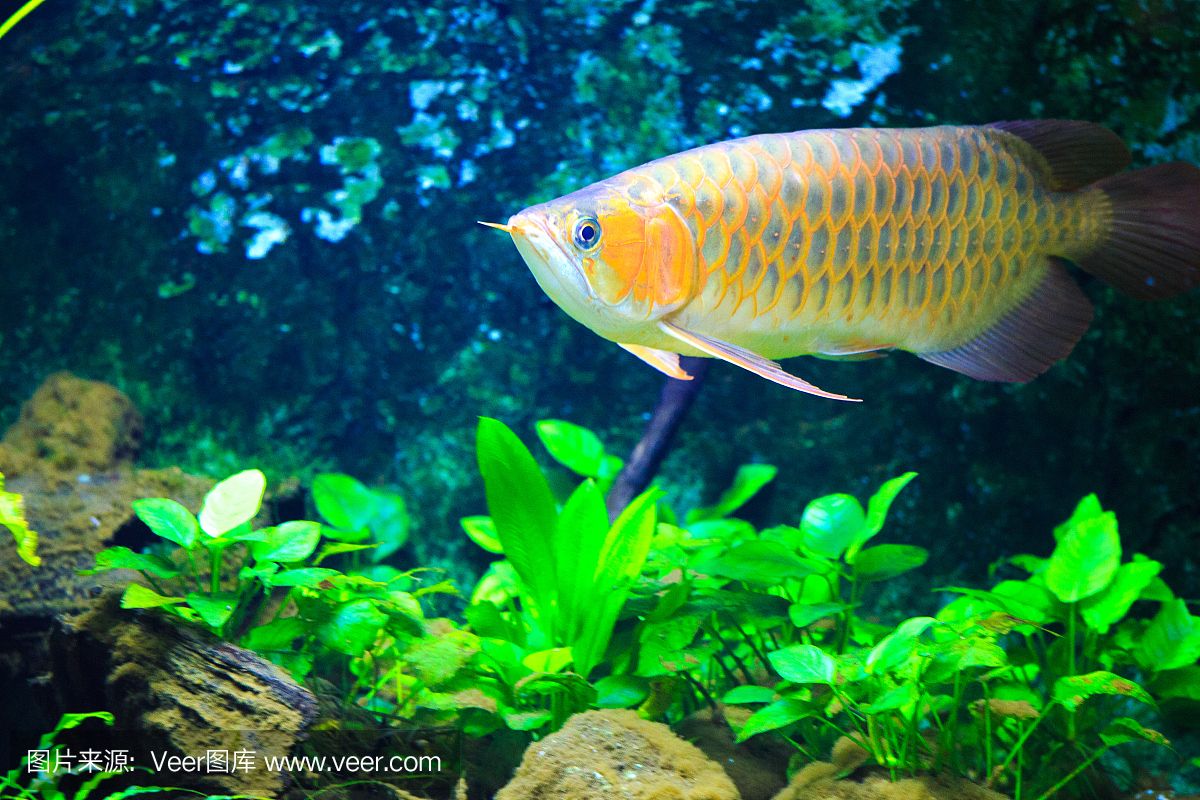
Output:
(946, 242)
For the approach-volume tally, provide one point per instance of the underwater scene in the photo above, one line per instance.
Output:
(646, 400)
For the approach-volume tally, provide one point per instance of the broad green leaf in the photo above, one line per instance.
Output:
(830, 523)
(804, 663)
(573, 446)
(659, 641)
(1171, 640)
(896, 698)
(1085, 559)
(579, 536)
(168, 519)
(896, 648)
(1126, 729)
(1073, 690)
(758, 562)
(750, 478)
(1022, 599)
(621, 691)
(342, 501)
(1087, 508)
(749, 694)
(330, 549)
(278, 635)
(353, 627)
(232, 502)
(308, 577)
(1107, 607)
(214, 609)
(522, 509)
(1182, 684)
(719, 530)
(881, 503)
(389, 524)
(975, 651)
(138, 596)
(804, 614)
(527, 720)
(553, 660)
(482, 532)
(497, 585)
(124, 558)
(12, 516)
(622, 555)
(886, 561)
(288, 542)
(777, 715)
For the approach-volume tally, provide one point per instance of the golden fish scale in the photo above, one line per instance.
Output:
(857, 238)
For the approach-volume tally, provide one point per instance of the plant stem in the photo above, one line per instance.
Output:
(1072, 774)
(1018, 746)
(1071, 665)
(217, 552)
(195, 572)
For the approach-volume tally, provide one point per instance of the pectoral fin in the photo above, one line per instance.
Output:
(661, 360)
(747, 360)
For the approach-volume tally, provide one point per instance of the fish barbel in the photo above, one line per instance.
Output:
(946, 242)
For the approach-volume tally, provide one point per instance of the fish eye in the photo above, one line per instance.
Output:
(587, 233)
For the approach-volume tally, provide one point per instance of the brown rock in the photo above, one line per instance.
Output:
(182, 689)
(72, 426)
(757, 767)
(616, 754)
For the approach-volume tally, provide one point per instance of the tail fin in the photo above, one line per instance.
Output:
(1152, 250)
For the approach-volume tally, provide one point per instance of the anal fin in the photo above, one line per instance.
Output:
(665, 362)
(747, 360)
(1029, 338)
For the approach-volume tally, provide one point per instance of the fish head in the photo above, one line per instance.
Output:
(613, 262)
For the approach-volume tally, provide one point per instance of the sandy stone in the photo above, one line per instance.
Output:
(616, 754)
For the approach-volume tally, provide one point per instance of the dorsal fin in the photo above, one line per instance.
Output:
(1077, 153)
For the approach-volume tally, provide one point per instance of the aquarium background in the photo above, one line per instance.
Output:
(258, 220)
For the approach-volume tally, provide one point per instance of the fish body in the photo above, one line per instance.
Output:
(946, 242)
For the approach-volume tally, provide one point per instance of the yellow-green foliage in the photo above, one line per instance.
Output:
(12, 516)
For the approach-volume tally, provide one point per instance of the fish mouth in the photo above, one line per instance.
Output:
(555, 270)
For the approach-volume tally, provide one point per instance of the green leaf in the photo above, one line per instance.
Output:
(138, 596)
(621, 691)
(1126, 729)
(279, 635)
(1073, 690)
(553, 660)
(168, 519)
(757, 562)
(12, 516)
(353, 627)
(896, 648)
(124, 558)
(330, 549)
(1107, 607)
(522, 509)
(804, 614)
(232, 502)
(579, 536)
(886, 561)
(1087, 508)
(390, 524)
(573, 446)
(342, 501)
(307, 577)
(1171, 640)
(750, 478)
(527, 720)
(1085, 559)
(287, 542)
(749, 694)
(830, 523)
(779, 714)
(896, 698)
(804, 663)
(482, 532)
(214, 609)
(877, 511)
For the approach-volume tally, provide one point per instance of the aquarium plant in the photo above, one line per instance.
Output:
(12, 516)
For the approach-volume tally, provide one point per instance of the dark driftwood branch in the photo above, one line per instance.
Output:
(673, 404)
